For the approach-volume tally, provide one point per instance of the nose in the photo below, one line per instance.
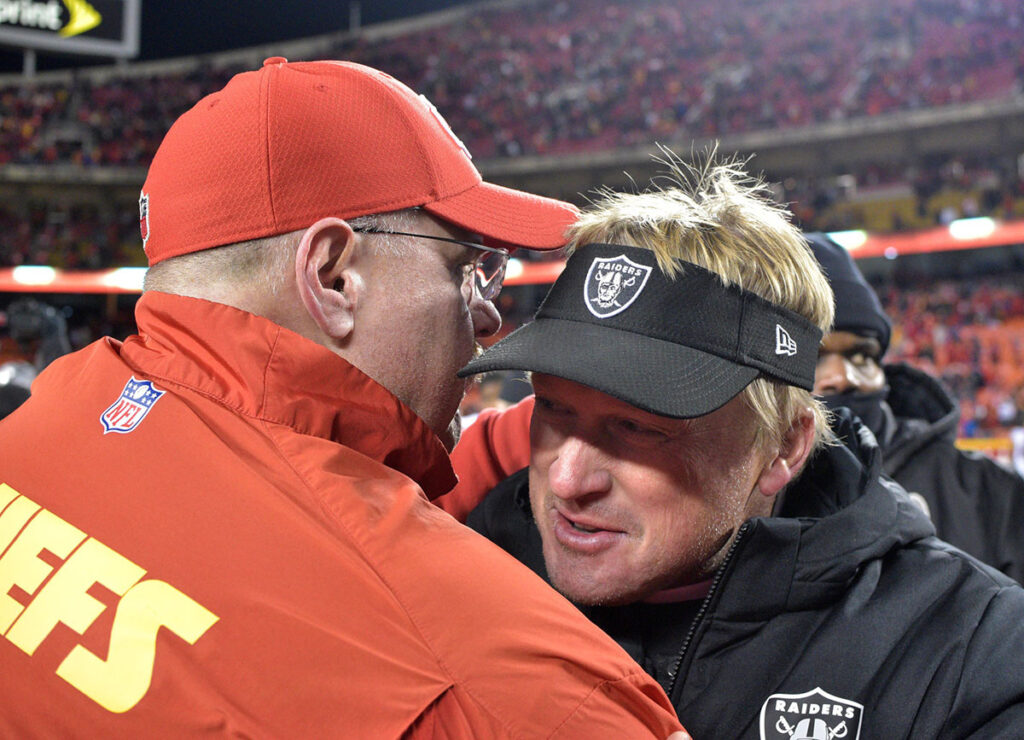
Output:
(832, 374)
(486, 319)
(578, 470)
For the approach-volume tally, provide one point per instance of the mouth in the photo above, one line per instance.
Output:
(584, 536)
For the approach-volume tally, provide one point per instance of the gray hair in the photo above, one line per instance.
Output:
(260, 265)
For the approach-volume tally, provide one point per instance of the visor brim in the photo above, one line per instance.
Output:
(661, 377)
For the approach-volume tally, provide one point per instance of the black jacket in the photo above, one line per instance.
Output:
(842, 617)
(975, 503)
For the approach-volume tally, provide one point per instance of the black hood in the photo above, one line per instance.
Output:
(924, 411)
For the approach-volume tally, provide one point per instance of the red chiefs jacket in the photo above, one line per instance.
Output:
(220, 527)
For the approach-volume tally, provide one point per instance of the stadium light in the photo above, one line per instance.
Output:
(514, 268)
(126, 278)
(34, 275)
(851, 241)
(972, 228)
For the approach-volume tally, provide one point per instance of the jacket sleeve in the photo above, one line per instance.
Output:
(990, 698)
(496, 445)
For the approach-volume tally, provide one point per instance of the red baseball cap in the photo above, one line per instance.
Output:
(281, 147)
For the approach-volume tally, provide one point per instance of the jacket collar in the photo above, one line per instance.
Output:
(266, 372)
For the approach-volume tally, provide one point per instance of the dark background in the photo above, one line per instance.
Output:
(174, 28)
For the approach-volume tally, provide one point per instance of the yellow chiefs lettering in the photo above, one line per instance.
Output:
(120, 681)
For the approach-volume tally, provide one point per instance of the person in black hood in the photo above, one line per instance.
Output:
(975, 503)
(683, 488)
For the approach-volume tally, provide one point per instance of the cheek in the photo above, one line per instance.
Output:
(543, 442)
(444, 326)
(709, 496)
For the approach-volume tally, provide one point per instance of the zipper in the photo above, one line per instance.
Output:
(704, 606)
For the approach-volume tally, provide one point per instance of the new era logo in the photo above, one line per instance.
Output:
(444, 124)
(784, 344)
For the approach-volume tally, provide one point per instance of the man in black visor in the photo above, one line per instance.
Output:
(678, 482)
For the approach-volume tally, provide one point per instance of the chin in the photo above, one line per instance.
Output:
(450, 436)
(603, 598)
(596, 594)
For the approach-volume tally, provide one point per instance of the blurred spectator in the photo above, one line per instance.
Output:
(11, 397)
(39, 330)
(485, 393)
(974, 503)
(39, 334)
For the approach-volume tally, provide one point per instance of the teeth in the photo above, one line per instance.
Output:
(582, 529)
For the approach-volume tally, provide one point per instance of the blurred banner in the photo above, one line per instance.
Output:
(97, 27)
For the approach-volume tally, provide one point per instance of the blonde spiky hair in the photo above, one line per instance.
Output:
(714, 214)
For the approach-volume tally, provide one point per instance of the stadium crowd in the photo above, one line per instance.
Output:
(970, 334)
(587, 75)
(580, 75)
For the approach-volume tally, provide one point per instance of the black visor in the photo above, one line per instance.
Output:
(679, 347)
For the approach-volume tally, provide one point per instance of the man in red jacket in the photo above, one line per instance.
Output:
(238, 537)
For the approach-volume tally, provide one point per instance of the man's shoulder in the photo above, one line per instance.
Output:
(992, 471)
(505, 518)
(505, 505)
(936, 571)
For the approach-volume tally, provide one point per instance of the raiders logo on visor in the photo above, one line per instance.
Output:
(613, 284)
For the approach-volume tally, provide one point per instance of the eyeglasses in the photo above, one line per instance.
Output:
(488, 268)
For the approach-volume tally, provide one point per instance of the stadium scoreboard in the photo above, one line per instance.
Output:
(96, 27)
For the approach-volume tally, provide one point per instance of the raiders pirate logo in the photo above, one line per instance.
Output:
(813, 715)
(144, 217)
(613, 284)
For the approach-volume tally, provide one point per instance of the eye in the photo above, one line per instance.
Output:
(548, 406)
(638, 432)
(861, 359)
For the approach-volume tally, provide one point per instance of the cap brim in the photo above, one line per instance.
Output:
(654, 375)
(509, 217)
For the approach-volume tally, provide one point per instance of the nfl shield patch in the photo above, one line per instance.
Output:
(613, 284)
(131, 407)
(813, 715)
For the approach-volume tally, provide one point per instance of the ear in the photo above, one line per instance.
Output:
(796, 448)
(323, 275)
